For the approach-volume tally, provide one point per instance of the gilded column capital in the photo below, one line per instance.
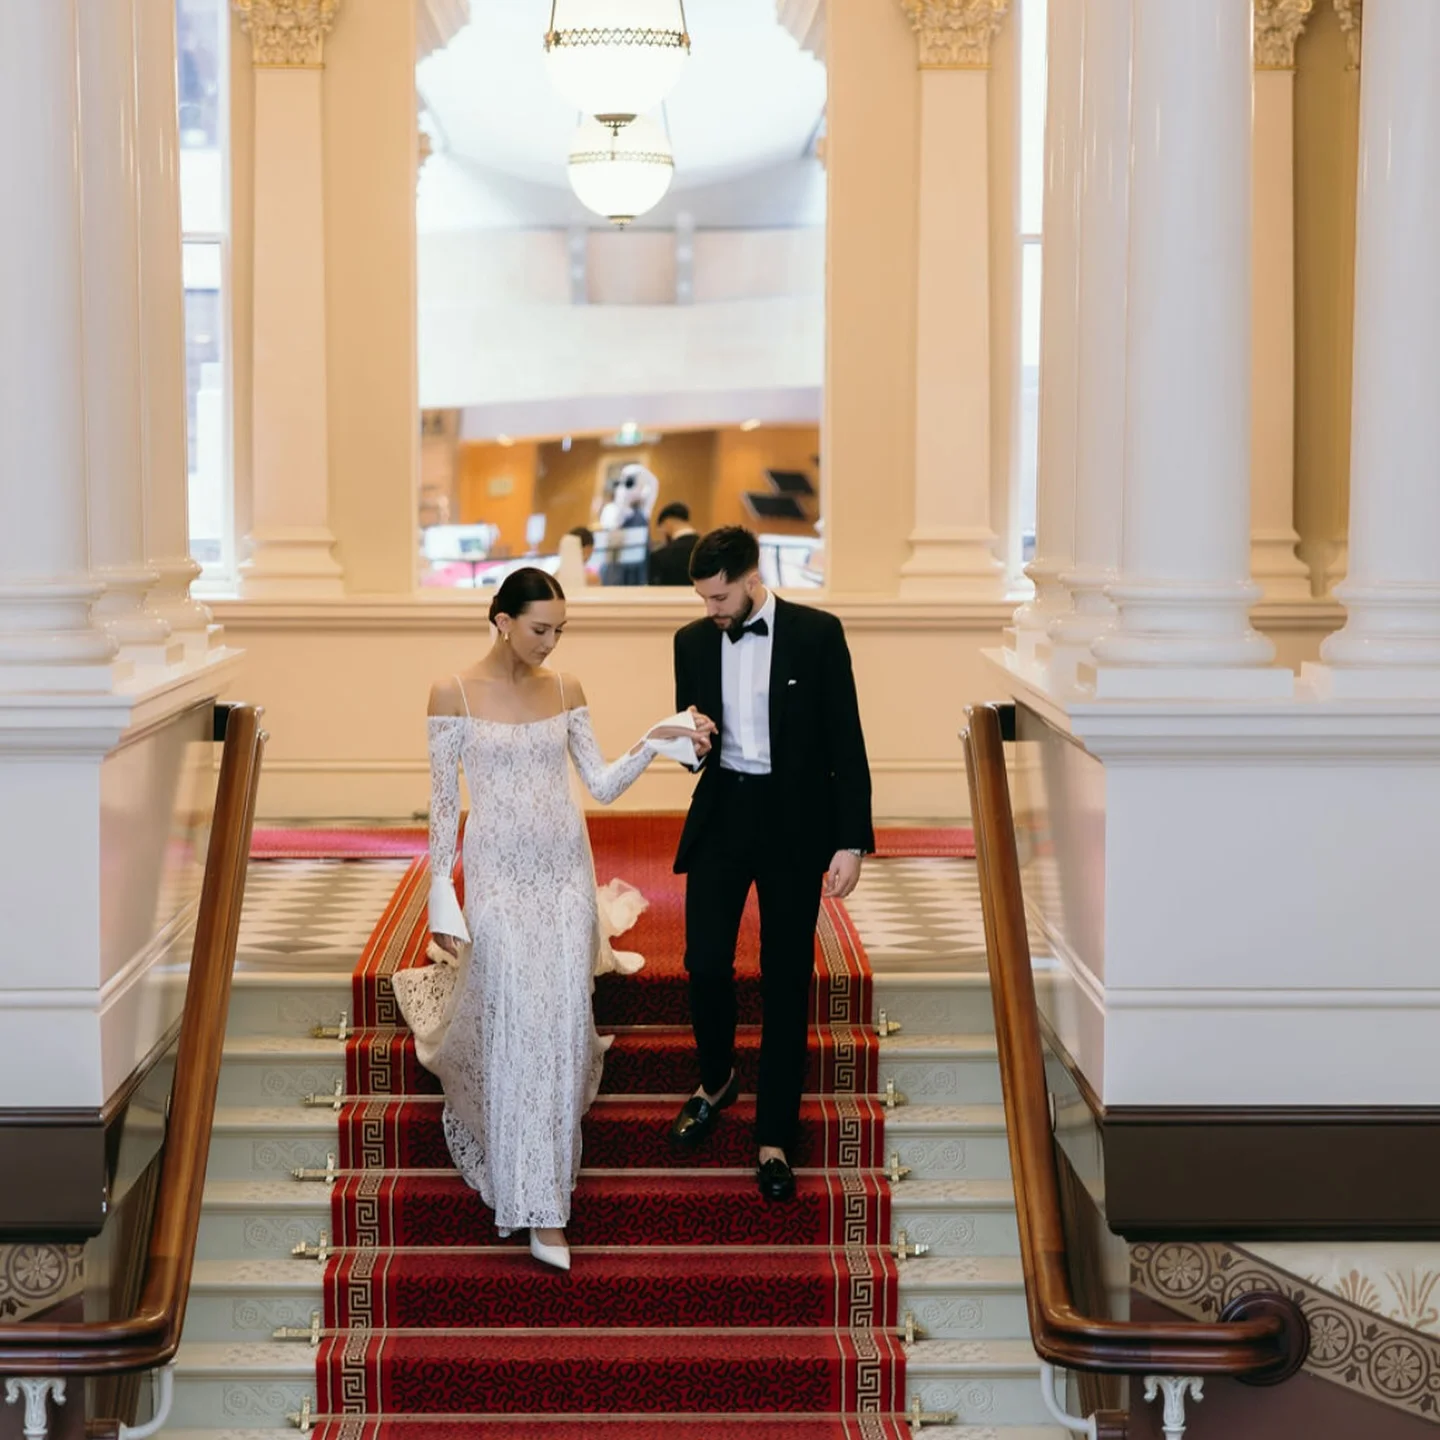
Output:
(955, 34)
(1278, 24)
(1349, 13)
(287, 34)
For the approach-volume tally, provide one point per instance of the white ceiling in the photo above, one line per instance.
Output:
(748, 99)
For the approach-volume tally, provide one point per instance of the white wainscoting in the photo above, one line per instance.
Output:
(108, 801)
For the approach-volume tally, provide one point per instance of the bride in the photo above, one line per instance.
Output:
(506, 1022)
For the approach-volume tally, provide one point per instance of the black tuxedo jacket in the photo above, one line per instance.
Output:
(670, 562)
(817, 748)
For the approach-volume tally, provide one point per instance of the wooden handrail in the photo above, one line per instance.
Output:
(1262, 1338)
(150, 1336)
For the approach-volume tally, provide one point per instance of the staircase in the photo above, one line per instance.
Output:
(264, 1231)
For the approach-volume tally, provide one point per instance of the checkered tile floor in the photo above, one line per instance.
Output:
(318, 911)
(917, 914)
(920, 914)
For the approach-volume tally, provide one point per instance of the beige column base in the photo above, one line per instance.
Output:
(295, 563)
(957, 563)
(1276, 568)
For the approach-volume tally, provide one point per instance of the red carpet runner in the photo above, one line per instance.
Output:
(692, 1303)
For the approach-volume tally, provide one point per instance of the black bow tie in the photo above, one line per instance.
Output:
(755, 627)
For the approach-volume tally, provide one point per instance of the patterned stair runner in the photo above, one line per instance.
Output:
(691, 1301)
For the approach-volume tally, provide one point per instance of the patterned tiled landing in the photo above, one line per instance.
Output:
(920, 914)
(915, 914)
(312, 913)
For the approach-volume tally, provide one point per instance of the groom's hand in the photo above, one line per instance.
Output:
(705, 729)
(842, 876)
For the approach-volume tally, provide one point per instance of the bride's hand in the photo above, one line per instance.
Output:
(448, 943)
(703, 723)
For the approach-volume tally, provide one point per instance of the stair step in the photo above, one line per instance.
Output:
(981, 1382)
(627, 1427)
(264, 1070)
(941, 1069)
(934, 1141)
(291, 1002)
(949, 1142)
(286, 1002)
(954, 1002)
(267, 1218)
(248, 1300)
(957, 1217)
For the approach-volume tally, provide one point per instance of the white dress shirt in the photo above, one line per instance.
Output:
(745, 694)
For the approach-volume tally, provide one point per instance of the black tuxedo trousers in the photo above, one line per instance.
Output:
(744, 846)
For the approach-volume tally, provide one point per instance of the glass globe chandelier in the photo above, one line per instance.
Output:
(616, 59)
(622, 173)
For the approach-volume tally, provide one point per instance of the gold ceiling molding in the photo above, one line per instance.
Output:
(1349, 13)
(1278, 24)
(955, 34)
(287, 34)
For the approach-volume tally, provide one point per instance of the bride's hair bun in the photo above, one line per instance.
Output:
(523, 588)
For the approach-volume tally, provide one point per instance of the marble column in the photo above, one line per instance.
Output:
(1100, 347)
(162, 319)
(1184, 595)
(1277, 569)
(114, 442)
(48, 639)
(1059, 331)
(291, 544)
(1390, 645)
(953, 545)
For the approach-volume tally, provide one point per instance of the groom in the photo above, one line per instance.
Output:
(783, 804)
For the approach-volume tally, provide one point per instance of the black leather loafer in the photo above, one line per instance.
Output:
(776, 1180)
(698, 1115)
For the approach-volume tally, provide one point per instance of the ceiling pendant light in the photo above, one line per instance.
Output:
(616, 59)
(620, 174)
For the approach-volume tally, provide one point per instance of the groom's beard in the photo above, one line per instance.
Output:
(734, 622)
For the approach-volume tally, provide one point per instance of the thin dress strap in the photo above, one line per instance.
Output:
(563, 706)
(464, 699)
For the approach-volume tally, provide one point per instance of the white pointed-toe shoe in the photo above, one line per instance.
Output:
(556, 1255)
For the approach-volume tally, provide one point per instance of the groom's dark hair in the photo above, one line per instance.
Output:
(731, 551)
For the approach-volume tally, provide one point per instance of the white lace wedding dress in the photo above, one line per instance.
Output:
(509, 1028)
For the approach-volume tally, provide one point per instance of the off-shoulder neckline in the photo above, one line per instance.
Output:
(513, 724)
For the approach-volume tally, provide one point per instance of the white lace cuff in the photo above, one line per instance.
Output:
(679, 749)
(446, 917)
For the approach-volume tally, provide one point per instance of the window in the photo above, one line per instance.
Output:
(203, 33)
(1032, 193)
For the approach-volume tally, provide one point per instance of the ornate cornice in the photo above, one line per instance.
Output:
(287, 34)
(1278, 24)
(955, 34)
(1349, 13)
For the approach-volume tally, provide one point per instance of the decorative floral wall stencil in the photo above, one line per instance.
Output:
(1413, 1289)
(35, 1277)
(1374, 1326)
